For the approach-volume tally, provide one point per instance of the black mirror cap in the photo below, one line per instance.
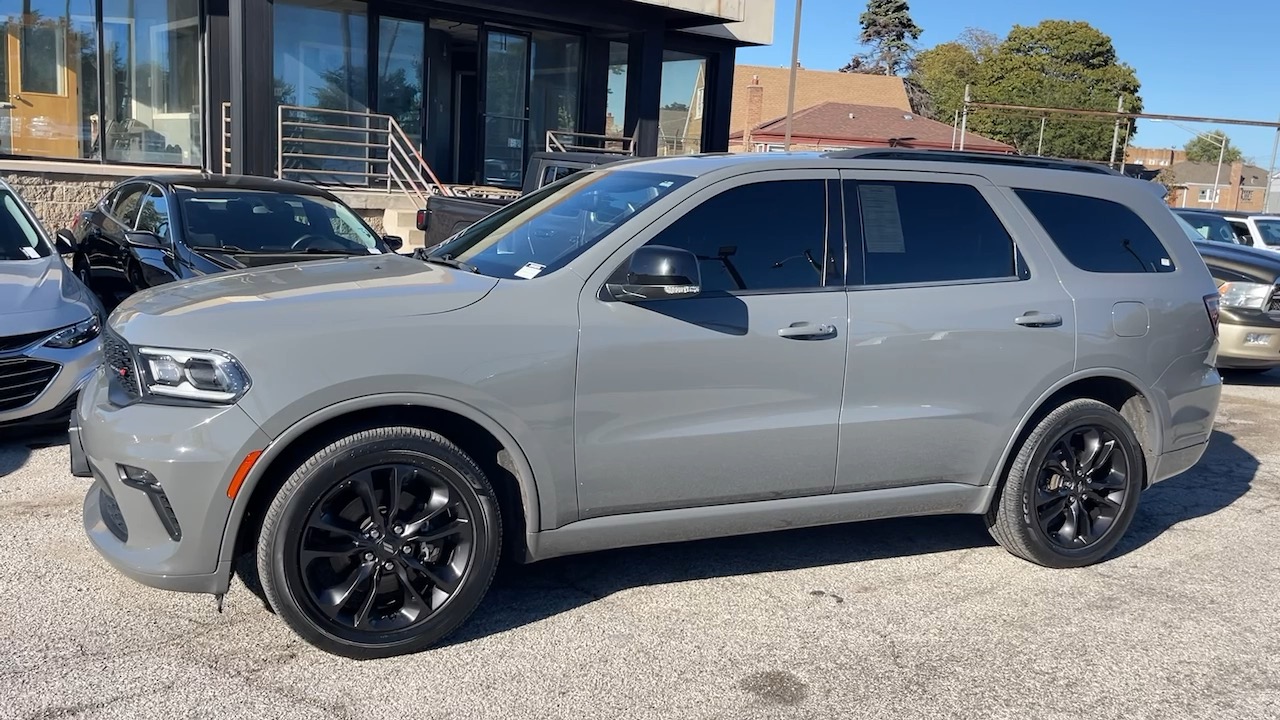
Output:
(395, 242)
(65, 242)
(659, 272)
(143, 239)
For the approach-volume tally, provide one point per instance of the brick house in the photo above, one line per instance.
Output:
(834, 125)
(1240, 186)
(1154, 158)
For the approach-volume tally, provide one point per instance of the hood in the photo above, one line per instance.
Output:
(38, 295)
(232, 308)
(1261, 265)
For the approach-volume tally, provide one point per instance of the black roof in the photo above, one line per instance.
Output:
(210, 181)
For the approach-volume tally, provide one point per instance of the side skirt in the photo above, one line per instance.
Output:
(666, 526)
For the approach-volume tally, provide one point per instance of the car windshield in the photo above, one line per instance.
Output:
(1210, 227)
(1269, 228)
(545, 230)
(266, 222)
(20, 239)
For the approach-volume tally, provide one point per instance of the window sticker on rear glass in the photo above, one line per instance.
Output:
(881, 223)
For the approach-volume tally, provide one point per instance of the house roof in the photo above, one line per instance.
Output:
(812, 87)
(834, 122)
(1203, 173)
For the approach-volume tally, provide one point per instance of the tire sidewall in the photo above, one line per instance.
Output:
(285, 537)
(1134, 479)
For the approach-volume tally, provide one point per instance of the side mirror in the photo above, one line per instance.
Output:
(393, 241)
(64, 241)
(658, 272)
(144, 240)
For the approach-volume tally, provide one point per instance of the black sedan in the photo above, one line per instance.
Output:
(151, 230)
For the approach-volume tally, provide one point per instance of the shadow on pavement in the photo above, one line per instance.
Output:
(16, 445)
(1222, 476)
(1269, 378)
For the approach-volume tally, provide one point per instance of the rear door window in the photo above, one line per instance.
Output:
(1098, 235)
(919, 232)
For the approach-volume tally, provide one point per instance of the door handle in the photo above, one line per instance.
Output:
(1036, 319)
(807, 331)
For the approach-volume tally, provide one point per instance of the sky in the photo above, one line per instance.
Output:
(1207, 59)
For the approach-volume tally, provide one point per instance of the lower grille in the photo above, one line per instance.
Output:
(22, 380)
(112, 516)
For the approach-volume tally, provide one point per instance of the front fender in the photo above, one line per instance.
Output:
(521, 466)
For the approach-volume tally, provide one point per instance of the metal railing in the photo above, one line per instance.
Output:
(669, 145)
(570, 141)
(226, 138)
(352, 150)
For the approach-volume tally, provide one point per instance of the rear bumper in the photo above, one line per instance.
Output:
(1177, 462)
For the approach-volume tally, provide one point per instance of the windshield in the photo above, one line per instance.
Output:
(251, 221)
(20, 239)
(546, 229)
(1269, 228)
(1210, 227)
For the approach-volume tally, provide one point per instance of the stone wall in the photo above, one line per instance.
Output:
(57, 197)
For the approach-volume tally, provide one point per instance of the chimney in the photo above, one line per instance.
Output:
(755, 108)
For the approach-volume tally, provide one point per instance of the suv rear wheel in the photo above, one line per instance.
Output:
(1072, 490)
(381, 543)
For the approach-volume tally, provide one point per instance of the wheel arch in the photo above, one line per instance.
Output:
(1132, 398)
(475, 432)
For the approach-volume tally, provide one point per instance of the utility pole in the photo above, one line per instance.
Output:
(1271, 171)
(795, 63)
(1115, 136)
(1040, 147)
(1222, 150)
(964, 118)
(955, 128)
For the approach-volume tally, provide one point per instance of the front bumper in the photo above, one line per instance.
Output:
(166, 532)
(1236, 328)
(76, 366)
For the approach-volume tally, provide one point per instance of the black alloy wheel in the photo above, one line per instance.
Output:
(381, 543)
(1082, 487)
(1072, 489)
(385, 549)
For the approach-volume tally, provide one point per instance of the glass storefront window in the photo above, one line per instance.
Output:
(401, 49)
(555, 73)
(48, 78)
(684, 78)
(152, 102)
(616, 110)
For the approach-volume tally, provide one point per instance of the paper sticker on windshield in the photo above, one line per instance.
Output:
(530, 271)
(30, 252)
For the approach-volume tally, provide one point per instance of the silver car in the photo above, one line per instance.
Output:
(655, 351)
(49, 322)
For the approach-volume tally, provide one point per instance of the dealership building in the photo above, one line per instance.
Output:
(395, 96)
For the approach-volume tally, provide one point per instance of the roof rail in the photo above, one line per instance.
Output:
(972, 157)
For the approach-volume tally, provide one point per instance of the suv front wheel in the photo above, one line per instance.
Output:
(381, 543)
(1072, 490)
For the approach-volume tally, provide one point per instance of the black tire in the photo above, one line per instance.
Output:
(1097, 494)
(388, 592)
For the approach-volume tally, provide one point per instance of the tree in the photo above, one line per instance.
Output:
(676, 106)
(1058, 63)
(888, 30)
(1206, 149)
(942, 72)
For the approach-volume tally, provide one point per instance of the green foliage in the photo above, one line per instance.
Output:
(1206, 149)
(1058, 63)
(888, 30)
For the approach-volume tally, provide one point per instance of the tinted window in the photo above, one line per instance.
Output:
(1213, 228)
(19, 239)
(155, 214)
(557, 172)
(125, 206)
(764, 236)
(1098, 235)
(255, 221)
(925, 232)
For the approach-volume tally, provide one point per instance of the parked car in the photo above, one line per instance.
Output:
(445, 216)
(49, 322)
(1212, 227)
(657, 351)
(1249, 288)
(155, 229)
(1259, 230)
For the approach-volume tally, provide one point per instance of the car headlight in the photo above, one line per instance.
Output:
(203, 376)
(1244, 295)
(76, 335)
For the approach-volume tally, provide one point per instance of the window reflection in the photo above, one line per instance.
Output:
(684, 78)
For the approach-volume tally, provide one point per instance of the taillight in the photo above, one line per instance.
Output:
(1211, 306)
(422, 220)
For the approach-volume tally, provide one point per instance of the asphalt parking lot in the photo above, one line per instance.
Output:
(918, 618)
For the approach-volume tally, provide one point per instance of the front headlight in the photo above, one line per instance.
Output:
(1244, 295)
(76, 335)
(203, 376)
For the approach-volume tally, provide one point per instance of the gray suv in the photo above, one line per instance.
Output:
(656, 351)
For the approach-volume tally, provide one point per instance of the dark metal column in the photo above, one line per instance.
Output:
(717, 101)
(217, 80)
(253, 111)
(644, 90)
